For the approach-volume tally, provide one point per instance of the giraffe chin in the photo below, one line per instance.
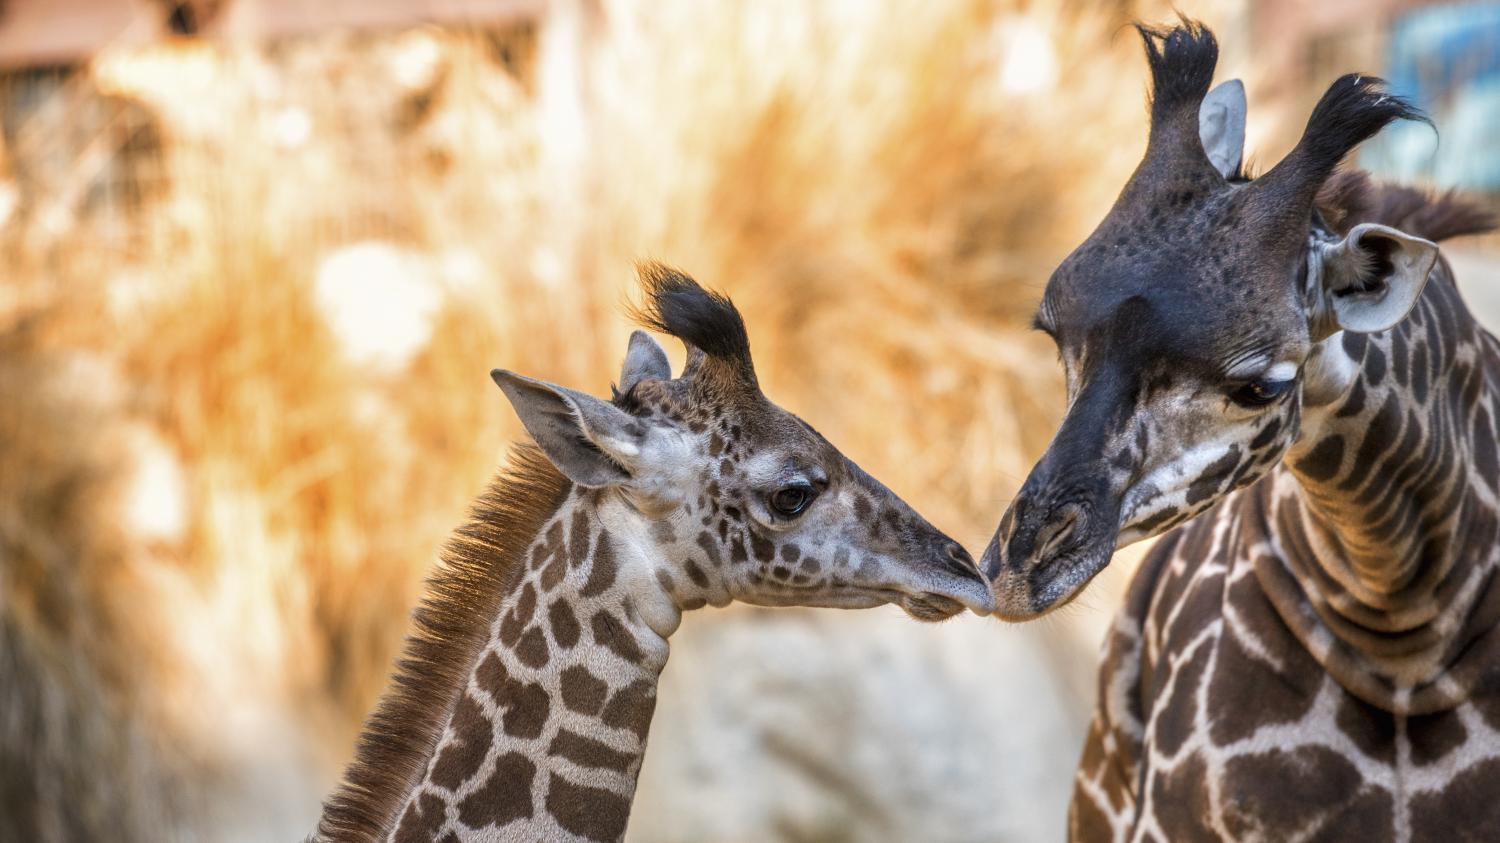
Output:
(921, 606)
(931, 607)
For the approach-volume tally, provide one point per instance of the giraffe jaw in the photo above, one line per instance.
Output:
(924, 606)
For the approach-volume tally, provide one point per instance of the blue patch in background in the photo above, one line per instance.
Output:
(1446, 60)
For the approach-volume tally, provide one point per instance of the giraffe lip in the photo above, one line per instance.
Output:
(1058, 581)
(972, 596)
(930, 607)
(919, 601)
(926, 606)
(923, 605)
(1027, 593)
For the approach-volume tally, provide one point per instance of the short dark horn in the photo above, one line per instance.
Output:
(1354, 108)
(1182, 60)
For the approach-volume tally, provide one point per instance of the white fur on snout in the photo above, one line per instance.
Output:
(1167, 485)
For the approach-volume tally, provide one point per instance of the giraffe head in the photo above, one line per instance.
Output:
(726, 495)
(1197, 323)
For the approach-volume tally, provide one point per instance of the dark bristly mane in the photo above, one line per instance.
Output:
(675, 304)
(1182, 60)
(1350, 198)
(479, 566)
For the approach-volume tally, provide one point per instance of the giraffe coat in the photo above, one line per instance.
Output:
(1281, 368)
(521, 706)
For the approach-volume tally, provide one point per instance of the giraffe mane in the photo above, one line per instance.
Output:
(478, 565)
(1352, 197)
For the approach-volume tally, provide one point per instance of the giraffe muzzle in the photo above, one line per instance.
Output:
(946, 583)
(1046, 550)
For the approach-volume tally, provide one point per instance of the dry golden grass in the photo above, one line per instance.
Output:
(883, 191)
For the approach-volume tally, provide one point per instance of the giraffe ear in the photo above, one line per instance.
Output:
(1373, 276)
(590, 440)
(645, 359)
(1221, 126)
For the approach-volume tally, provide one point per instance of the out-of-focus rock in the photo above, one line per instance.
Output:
(798, 725)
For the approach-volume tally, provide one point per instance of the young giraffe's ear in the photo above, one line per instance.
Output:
(1221, 126)
(645, 359)
(590, 440)
(1373, 276)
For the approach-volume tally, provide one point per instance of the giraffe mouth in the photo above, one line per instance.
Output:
(922, 606)
(1051, 542)
(930, 607)
(1026, 593)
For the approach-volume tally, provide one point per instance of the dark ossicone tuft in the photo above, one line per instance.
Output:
(1354, 108)
(1182, 60)
(675, 304)
(1352, 111)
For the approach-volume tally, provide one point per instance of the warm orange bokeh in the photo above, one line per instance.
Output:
(251, 296)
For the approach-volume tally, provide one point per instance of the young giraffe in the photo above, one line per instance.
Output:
(1318, 656)
(520, 708)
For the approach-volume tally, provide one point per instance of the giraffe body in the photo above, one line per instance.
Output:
(547, 736)
(1282, 364)
(1239, 695)
(521, 707)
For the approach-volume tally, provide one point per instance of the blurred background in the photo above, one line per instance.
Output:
(257, 257)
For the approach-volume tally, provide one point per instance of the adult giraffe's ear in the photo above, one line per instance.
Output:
(1221, 126)
(590, 440)
(1371, 278)
(645, 359)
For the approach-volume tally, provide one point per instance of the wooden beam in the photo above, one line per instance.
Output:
(258, 20)
(36, 32)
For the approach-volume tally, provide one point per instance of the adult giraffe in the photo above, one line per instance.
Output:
(520, 708)
(1317, 656)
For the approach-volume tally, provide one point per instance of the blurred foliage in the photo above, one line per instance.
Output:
(223, 476)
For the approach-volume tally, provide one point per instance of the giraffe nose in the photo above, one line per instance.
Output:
(1065, 522)
(1045, 530)
(1050, 543)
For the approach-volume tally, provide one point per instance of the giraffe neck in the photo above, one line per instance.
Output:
(547, 733)
(1385, 509)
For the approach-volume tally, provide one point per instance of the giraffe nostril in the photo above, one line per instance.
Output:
(1066, 522)
(957, 553)
(960, 562)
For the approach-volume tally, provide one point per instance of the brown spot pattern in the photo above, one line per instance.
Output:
(461, 758)
(504, 797)
(421, 820)
(589, 812)
(631, 708)
(588, 752)
(582, 691)
(563, 623)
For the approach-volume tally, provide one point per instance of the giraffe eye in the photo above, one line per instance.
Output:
(791, 501)
(1259, 393)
